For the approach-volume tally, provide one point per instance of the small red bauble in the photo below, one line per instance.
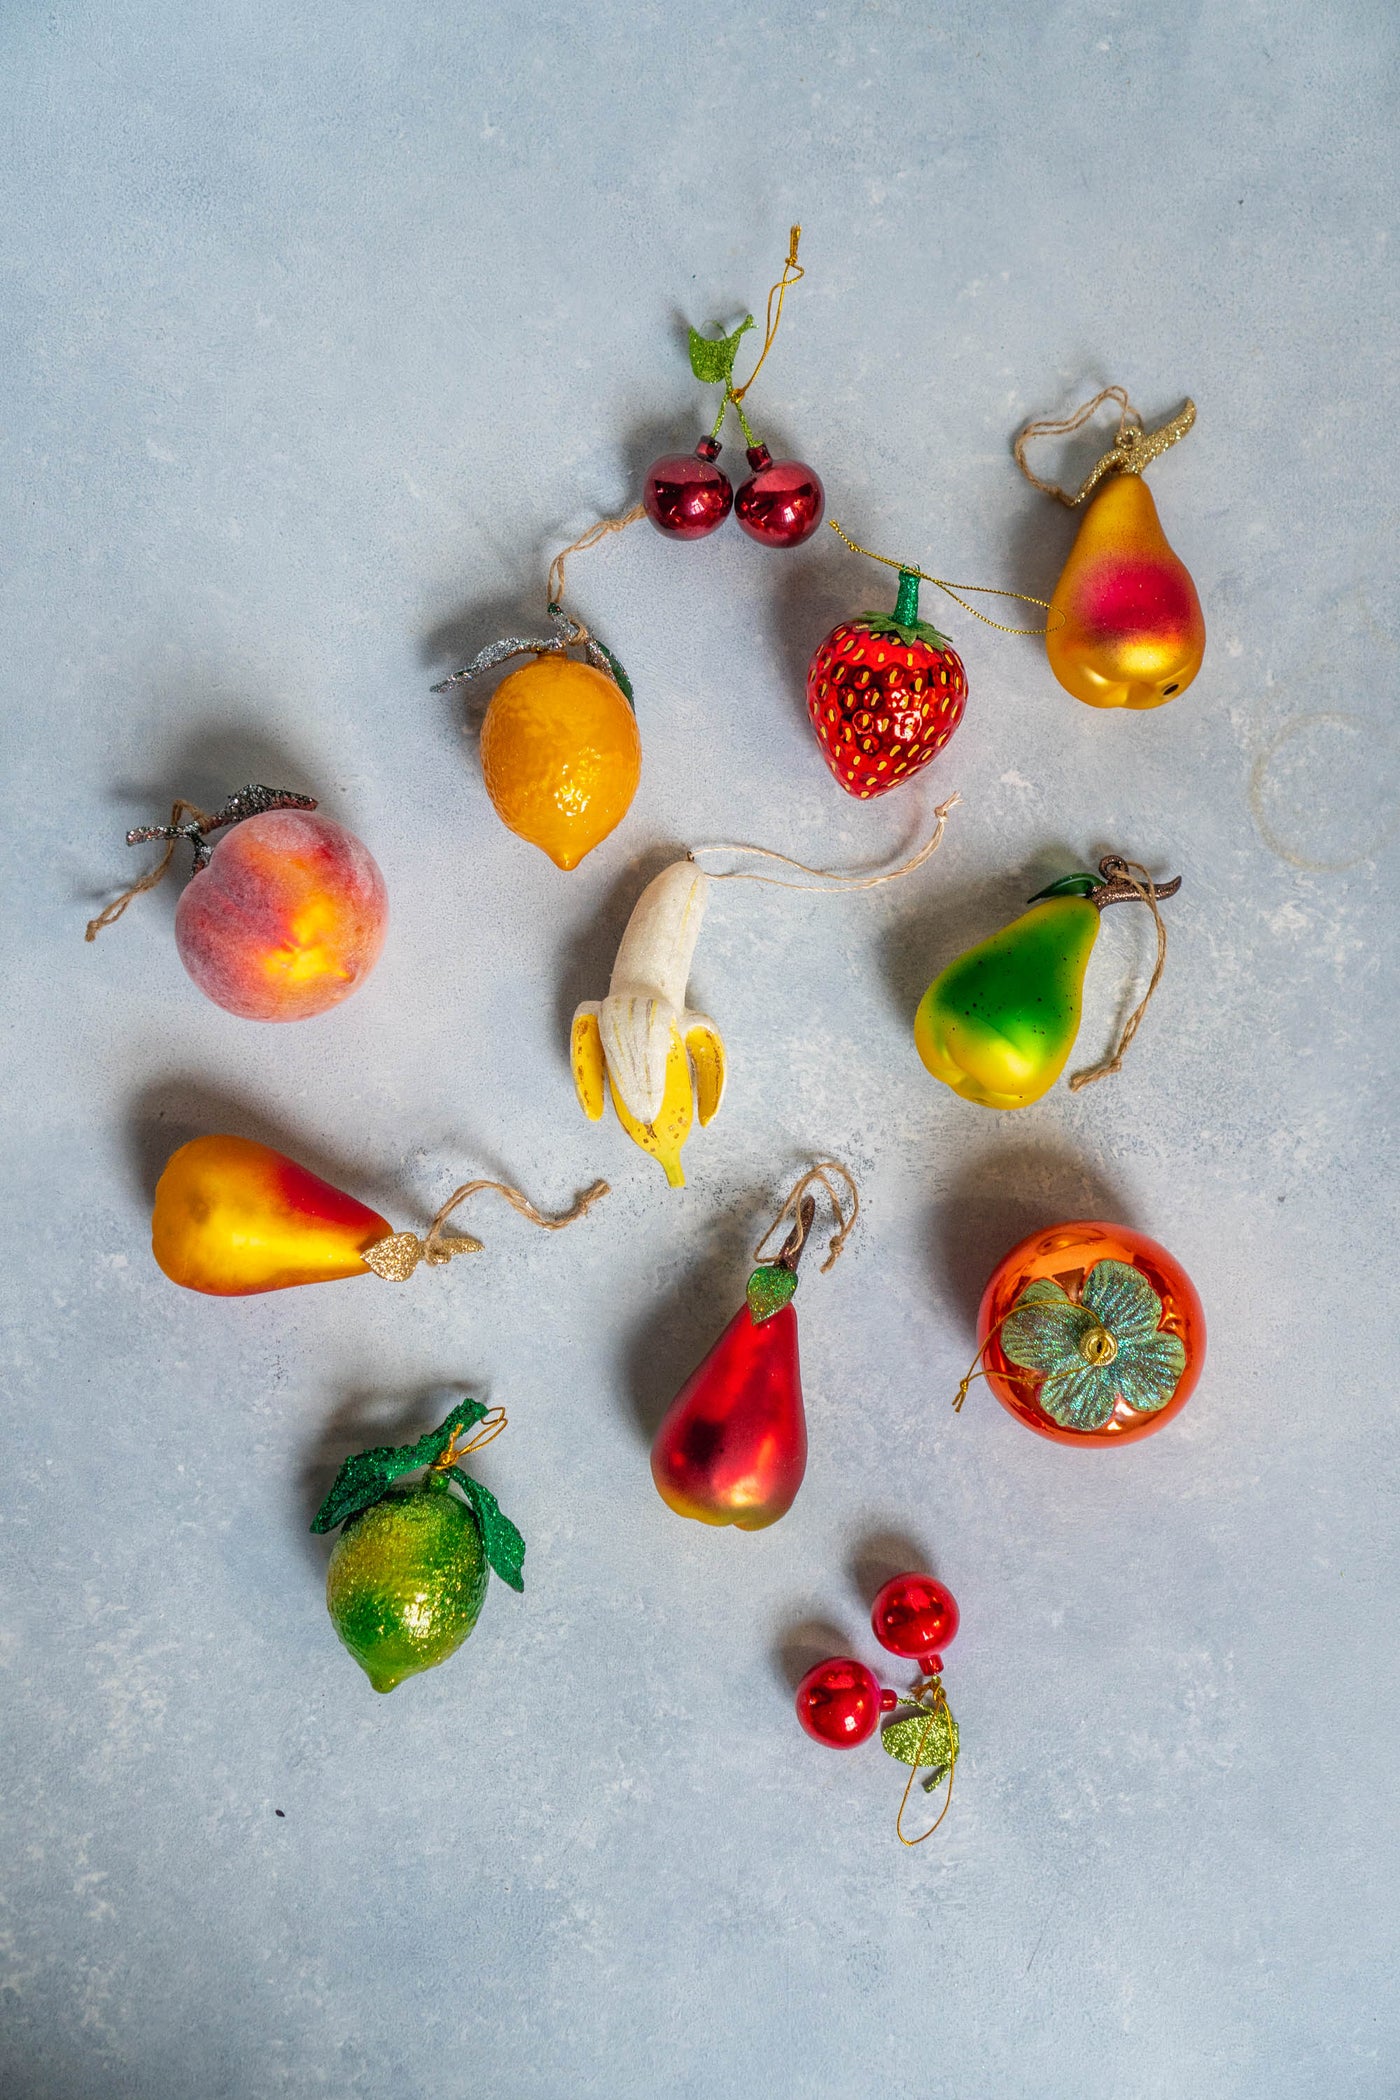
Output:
(915, 1617)
(884, 693)
(686, 495)
(781, 505)
(839, 1703)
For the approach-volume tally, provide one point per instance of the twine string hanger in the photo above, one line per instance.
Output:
(1134, 447)
(984, 590)
(485, 1432)
(1119, 872)
(188, 821)
(396, 1257)
(935, 1705)
(802, 1213)
(554, 588)
(832, 882)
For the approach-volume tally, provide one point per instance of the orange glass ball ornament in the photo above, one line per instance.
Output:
(1081, 1320)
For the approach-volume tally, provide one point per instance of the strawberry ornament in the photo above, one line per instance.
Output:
(885, 691)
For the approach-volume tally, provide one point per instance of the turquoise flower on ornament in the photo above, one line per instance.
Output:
(1106, 1347)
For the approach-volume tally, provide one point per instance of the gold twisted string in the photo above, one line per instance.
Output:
(486, 1432)
(792, 1208)
(792, 272)
(1133, 449)
(832, 882)
(939, 1704)
(396, 1257)
(984, 590)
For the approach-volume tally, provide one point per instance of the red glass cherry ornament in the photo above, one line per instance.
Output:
(782, 502)
(885, 692)
(915, 1617)
(686, 495)
(839, 1703)
(732, 1446)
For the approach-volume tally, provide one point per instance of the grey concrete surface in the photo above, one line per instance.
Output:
(322, 329)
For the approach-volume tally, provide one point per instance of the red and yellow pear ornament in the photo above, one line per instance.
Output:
(1125, 627)
(233, 1218)
(732, 1447)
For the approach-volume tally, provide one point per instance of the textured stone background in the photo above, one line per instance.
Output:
(323, 326)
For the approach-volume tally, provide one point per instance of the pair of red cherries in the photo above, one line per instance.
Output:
(839, 1701)
(687, 496)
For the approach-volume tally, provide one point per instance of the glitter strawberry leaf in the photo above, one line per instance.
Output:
(712, 358)
(367, 1477)
(505, 1548)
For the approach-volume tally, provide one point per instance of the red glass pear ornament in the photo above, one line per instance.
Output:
(840, 1701)
(285, 913)
(732, 1447)
(686, 495)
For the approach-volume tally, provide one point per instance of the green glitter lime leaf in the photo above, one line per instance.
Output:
(769, 1290)
(366, 1477)
(923, 1739)
(505, 1549)
(712, 359)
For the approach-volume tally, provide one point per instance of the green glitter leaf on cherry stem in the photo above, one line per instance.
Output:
(769, 1290)
(368, 1476)
(712, 359)
(505, 1549)
(923, 1739)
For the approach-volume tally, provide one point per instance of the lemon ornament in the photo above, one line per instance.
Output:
(560, 749)
(409, 1573)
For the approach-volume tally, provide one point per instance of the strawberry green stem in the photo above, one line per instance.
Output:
(906, 605)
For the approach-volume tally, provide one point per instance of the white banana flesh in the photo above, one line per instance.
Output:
(661, 1059)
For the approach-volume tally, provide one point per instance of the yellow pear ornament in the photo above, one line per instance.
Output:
(1125, 626)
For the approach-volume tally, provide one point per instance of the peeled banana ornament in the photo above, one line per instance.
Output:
(661, 1062)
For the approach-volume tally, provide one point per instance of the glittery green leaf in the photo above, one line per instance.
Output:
(1122, 1300)
(923, 1739)
(712, 359)
(1082, 1397)
(770, 1289)
(505, 1549)
(906, 632)
(1151, 1371)
(366, 1477)
(1043, 1332)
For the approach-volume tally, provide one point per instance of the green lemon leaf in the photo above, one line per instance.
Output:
(1123, 1301)
(712, 359)
(769, 1290)
(366, 1477)
(505, 1549)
